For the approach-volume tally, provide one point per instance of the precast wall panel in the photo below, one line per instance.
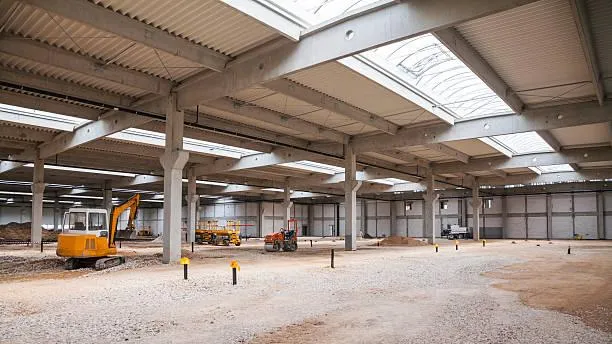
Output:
(608, 214)
(342, 220)
(517, 225)
(536, 217)
(562, 216)
(585, 215)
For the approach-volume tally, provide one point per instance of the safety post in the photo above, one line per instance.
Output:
(192, 247)
(436, 245)
(235, 267)
(332, 258)
(185, 263)
(310, 243)
(484, 242)
(119, 243)
(569, 250)
(456, 245)
(41, 246)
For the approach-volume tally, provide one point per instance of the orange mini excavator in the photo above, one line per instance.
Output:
(285, 239)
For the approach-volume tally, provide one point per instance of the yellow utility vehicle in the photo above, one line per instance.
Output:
(210, 232)
(86, 238)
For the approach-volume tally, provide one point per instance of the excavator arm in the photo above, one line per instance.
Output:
(132, 205)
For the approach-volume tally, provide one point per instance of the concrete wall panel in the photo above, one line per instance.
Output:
(537, 227)
(516, 228)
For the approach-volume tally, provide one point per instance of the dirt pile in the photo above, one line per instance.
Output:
(21, 231)
(401, 241)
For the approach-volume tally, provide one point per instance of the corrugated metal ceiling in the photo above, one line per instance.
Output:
(600, 15)
(344, 84)
(582, 135)
(38, 24)
(207, 22)
(25, 65)
(533, 47)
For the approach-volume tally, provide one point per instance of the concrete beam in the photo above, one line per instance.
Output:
(134, 30)
(279, 156)
(57, 57)
(531, 120)
(568, 156)
(451, 152)
(581, 18)
(548, 137)
(49, 105)
(319, 99)
(544, 178)
(409, 158)
(138, 180)
(464, 51)
(340, 39)
(277, 118)
(91, 131)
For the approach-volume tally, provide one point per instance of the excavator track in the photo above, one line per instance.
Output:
(108, 262)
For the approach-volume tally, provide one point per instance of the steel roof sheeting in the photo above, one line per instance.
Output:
(25, 65)
(207, 22)
(600, 16)
(533, 47)
(38, 24)
(353, 88)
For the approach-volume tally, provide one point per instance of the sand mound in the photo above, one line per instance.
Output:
(21, 231)
(401, 241)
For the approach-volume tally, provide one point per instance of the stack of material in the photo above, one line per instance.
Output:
(22, 231)
(401, 241)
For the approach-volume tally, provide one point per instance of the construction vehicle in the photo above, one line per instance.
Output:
(456, 232)
(87, 239)
(285, 239)
(210, 232)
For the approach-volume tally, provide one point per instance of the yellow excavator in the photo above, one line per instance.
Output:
(86, 237)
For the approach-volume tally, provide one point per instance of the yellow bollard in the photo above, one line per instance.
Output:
(436, 248)
(185, 263)
(483, 242)
(456, 245)
(235, 266)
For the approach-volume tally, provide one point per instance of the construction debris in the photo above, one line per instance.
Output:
(22, 231)
(401, 241)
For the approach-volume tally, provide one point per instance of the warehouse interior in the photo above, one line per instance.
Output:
(352, 121)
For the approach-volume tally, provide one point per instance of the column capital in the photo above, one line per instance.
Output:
(431, 197)
(192, 198)
(38, 187)
(476, 202)
(174, 160)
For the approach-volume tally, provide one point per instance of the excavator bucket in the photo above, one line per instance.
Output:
(125, 234)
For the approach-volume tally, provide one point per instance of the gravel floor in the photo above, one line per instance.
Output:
(376, 295)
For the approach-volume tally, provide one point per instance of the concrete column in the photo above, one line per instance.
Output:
(429, 209)
(351, 185)
(107, 197)
(173, 161)
(548, 216)
(287, 204)
(393, 214)
(476, 209)
(38, 189)
(504, 210)
(192, 199)
(601, 225)
(56, 215)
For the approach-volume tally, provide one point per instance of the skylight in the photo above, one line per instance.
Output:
(85, 170)
(389, 181)
(317, 11)
(314, 167)
(523, 143)
(55, 121)
(426, 64)
(555, 168)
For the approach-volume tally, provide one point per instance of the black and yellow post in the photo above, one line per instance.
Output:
(484, 242)
(192, 247)
(332, 258)
(41, 246)
(185, 263)
(235, 267)
(456, 245)
(436, 245)
(569, 250)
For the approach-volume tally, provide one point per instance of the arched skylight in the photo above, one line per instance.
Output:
(317, 11)
(427, 65)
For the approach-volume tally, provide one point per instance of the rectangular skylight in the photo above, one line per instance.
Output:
(313, 167)
(523, 143)
(81, 196)
(556, 168)
(389, 181)
(85, 170)
(273, 190)
(55, 121)
(206, 182)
